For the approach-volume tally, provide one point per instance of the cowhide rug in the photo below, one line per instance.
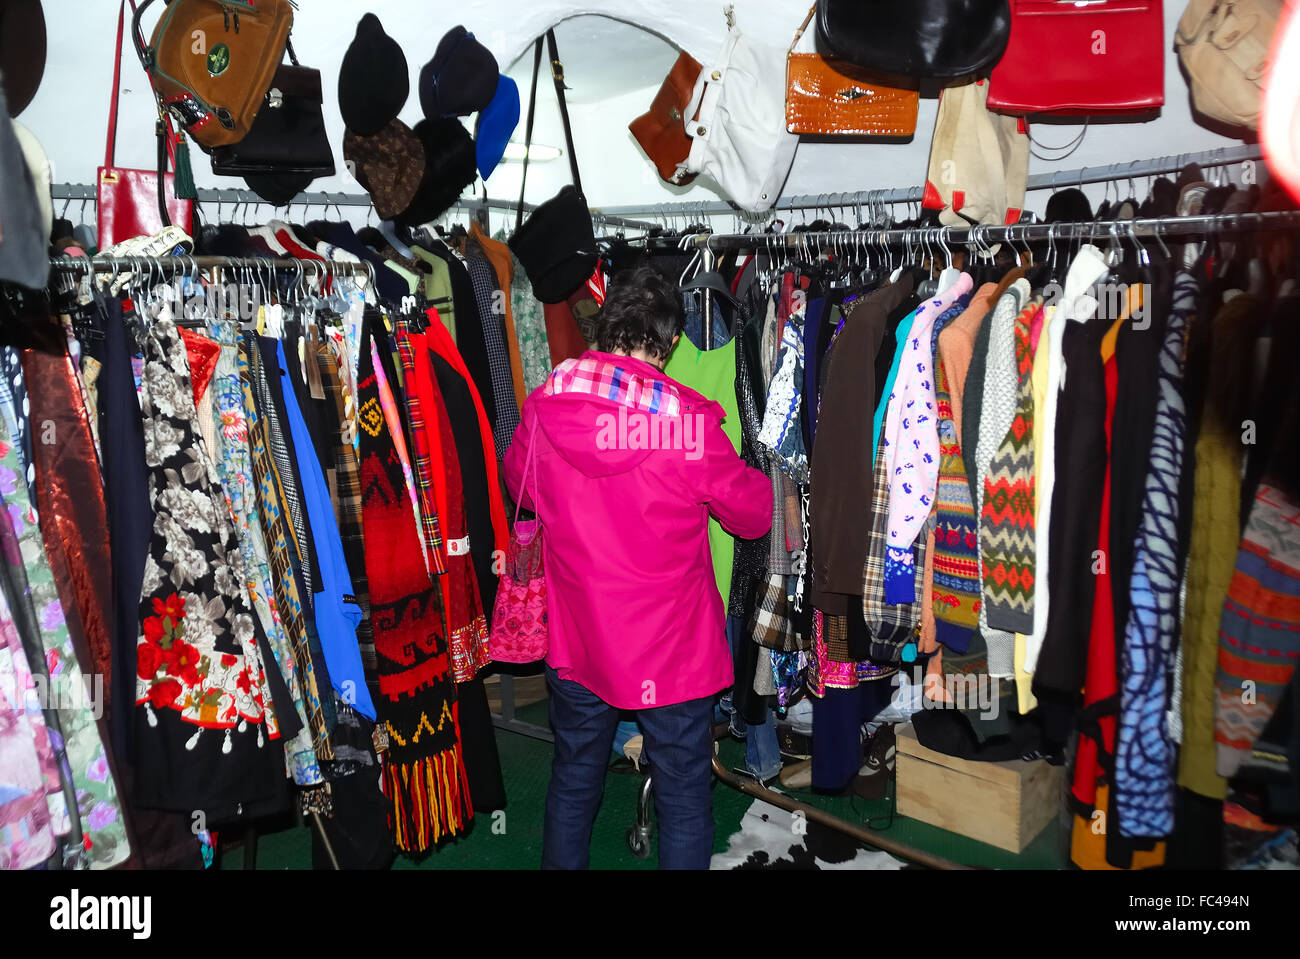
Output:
(770, 838)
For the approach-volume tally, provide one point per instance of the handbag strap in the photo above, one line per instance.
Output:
(111, 144)
(528, 461)
(799, 33)
(557, 75)
(528, 131)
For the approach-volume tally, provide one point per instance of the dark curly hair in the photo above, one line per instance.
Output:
(642, 310)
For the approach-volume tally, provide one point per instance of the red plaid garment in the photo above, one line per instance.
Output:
(421, 461)
(602, 378)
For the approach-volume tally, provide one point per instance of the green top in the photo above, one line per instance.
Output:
(437, 288)
(712, 374)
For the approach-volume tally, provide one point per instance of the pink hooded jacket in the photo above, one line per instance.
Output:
(632, 603)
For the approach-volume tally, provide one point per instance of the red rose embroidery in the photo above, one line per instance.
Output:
(243, 682)
(149, 658)
(164, 693)
(172, 606)
(228, 660)
(182, 660)
(153, 629)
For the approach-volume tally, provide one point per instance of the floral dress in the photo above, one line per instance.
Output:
(203, 719)
(27, 569)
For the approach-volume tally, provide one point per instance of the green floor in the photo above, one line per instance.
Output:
(513, 839)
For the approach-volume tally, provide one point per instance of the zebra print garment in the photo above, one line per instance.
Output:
(1144, 754)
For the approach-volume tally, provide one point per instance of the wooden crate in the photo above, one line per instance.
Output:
(1005, 804)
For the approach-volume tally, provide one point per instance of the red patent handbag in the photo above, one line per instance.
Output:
(127, 200)
(1107, 56)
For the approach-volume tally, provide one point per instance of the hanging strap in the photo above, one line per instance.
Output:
(111, 144)
(528, 130)
(528, 460)
(557, 75)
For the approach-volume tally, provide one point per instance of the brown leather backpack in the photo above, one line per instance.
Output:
(211, 62)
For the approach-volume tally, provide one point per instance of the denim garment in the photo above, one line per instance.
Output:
(679, 748)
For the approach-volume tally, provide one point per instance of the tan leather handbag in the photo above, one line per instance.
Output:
(827, 96)
(661, 130)
(211, 62)
(1223, 46)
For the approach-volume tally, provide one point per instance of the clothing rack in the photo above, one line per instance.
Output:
(119, 264)
(862, 240)
(1055, 180)
(84, 192)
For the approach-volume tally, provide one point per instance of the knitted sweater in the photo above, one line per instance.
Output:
(911, 441)
(1007, 511)
(1259, 632)
(956, 541)
(998, 410)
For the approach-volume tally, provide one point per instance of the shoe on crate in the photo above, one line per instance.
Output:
(872, 780)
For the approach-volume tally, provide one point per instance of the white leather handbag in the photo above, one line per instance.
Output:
(738, 137)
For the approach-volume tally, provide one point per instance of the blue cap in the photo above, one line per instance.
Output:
(496, 124)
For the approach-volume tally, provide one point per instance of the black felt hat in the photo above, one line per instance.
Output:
(460, 79)
(450, 165)
(373, 79)
(22, 51)
(1068, 206)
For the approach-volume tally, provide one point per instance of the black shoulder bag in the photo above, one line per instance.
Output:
(557, 246)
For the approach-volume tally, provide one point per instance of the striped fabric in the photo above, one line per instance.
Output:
(285, 469)
(270, 513)
(421, 458)
(600, 377)
(347, 496)
(1144, 752)
(1259, 633)
(487, 294)
(1007, 507)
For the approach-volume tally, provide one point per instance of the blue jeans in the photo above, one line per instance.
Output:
(762, 749)
(679, 746)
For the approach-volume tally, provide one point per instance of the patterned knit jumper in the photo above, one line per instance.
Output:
(1007, 512)
(998, 409)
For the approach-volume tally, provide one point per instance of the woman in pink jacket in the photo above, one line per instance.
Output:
(627, 466)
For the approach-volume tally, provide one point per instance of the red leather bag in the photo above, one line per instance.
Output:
(1105, 57)
(127, 200)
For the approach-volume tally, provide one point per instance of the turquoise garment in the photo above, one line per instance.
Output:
(878, 421)
(336, 610)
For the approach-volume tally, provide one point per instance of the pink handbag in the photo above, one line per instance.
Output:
(519, 633)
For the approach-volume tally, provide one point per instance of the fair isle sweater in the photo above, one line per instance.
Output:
(1007, 514)
(997, 410)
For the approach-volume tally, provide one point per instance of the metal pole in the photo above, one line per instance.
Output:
(1118, 230)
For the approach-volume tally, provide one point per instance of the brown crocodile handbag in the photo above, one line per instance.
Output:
(827, 96)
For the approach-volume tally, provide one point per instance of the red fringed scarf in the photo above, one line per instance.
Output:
(439, 482)
(424, 773)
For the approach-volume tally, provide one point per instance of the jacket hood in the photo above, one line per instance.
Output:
(599, 436)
